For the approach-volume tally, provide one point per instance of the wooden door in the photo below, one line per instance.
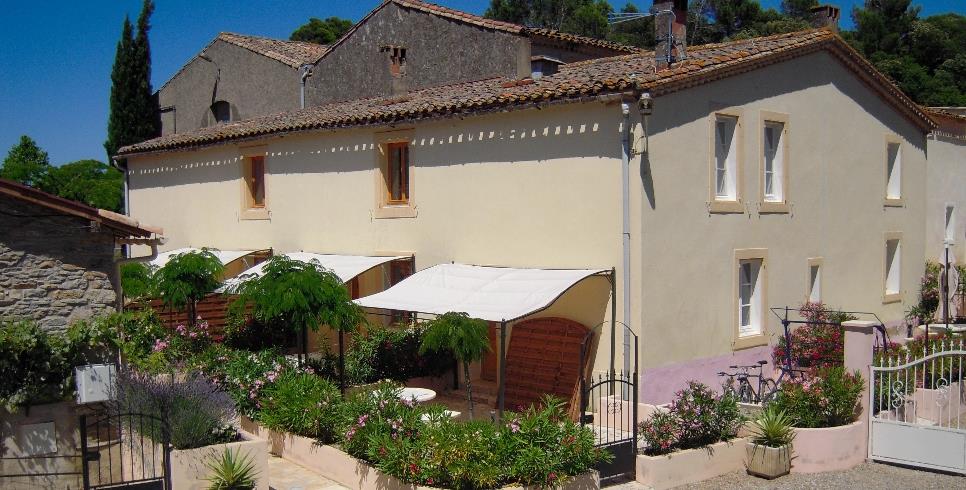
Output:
(490, 364)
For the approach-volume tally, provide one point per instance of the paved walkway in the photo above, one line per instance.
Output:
(866, 476)
(285, 475)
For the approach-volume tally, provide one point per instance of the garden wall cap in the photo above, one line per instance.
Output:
(574, 82)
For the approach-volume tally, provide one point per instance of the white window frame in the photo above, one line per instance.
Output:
(892, 268)
(773, 150)
(893, 171)
(725, 158)
(750, 297)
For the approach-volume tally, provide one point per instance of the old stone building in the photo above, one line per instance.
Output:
(57, 257)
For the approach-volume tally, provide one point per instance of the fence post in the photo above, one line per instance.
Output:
(859, 346)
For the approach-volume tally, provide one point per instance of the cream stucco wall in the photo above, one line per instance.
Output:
(946, 185)
(541, 188)
(684, 270)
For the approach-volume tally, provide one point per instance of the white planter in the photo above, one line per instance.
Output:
(189, 470)
(691, 465)
(829, 449)
(768, 462)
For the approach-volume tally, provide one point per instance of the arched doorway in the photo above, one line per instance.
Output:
(543, 357)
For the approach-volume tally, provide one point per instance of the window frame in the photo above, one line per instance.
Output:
(758, 302)
(810, 284)
(888, 198)
(384, 206)
(766, 205)
(890, 295)
(403, 173)
(716, 203)
(250, 208)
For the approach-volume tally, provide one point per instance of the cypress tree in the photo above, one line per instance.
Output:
(134, 115)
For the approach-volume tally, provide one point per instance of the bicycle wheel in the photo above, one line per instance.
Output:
(769, 389)
(745, 393)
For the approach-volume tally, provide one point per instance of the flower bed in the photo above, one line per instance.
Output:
(691, 465)
(829, 448)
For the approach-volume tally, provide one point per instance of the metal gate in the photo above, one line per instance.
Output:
(918, 414)
(127, 451)
(608, 405)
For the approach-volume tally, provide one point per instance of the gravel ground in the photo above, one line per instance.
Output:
(869, 475)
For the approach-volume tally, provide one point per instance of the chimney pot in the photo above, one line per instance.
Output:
(826, 15)
(669, 15)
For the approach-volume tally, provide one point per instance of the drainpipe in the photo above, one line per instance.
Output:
(626, 230)
(305, 71)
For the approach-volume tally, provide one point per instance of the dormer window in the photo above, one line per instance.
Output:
(221, 112)
(397, 59)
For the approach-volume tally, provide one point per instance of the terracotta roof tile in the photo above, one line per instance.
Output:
(292, 53)
(574, 38)
(573, 81)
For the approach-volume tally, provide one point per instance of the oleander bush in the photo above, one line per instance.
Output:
(818, 343)
(697, 417)
(829, 398)
(243, 375)
(302, 404)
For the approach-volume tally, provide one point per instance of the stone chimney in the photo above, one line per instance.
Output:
(396, 57)
(670, 15)
(826, 16)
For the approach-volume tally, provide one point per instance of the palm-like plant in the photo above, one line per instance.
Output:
(187, 278)
(467, 338)
(773, 428)
(232, 472)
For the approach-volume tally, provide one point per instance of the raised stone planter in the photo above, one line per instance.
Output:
(691, 465)
(829, 449)
(937, 406)
(189, 470)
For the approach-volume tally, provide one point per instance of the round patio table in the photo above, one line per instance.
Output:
(417, 395)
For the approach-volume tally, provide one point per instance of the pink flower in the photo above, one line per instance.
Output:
(160, 345)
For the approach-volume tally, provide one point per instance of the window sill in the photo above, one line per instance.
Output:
(726, 206)
(749, 342)
(891, 298)
(768, 207)
(893, 202)
(256, 214)
(390, 212)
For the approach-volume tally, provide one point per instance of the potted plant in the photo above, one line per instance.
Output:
(770, 448)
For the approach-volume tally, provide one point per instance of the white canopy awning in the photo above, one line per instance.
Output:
(486, 293)
(225, 256)
(347, 267)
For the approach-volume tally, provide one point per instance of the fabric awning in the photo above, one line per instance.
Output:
(225, 256)
(347, 267)
(486, 293)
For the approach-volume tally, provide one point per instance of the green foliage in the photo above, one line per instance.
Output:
(366, 414)
(197, 412)
(187, 278)
(466, 338)
(393, 353)
(242, 374)
(293, 295)
(245, 333)
(818, 343)
(35, 365)
(830, 398)
(137, 281)
(134, 114)
(321, 31)
(232, 471)
(303, 404)
(925, 310)
(773, 428)
(91, 182)
(26, 163)
(696, 418)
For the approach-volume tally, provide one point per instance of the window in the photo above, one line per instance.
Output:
(221, 111)
(893, 267)
(774, 161)
(814, 292)
(256, 182)
(894, 172)
(749, 298)
(397, 173)
(950, 228)
(725, 158)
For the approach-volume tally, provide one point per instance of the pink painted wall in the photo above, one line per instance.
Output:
(659, 384)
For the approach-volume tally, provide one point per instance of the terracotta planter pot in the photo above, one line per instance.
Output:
(691, 465)
(768, 462)
(830, 448)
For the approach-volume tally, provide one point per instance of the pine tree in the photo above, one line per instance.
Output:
(134, 116)
(26, 163)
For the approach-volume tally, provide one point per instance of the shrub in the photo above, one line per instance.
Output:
(830, 398)
(35, 365)
(818, 343)
(197, 412)
(366, 414)
(392, 353)
(302, 404)
(929, 295)
(697, 417)
(243, 332)
(242, 374)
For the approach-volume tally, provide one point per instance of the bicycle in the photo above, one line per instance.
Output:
(745, 392)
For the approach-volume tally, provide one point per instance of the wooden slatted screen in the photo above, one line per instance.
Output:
(543, 357)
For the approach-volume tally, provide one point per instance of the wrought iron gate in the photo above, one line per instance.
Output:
(608, 405)
(918, 408)
(127, 451)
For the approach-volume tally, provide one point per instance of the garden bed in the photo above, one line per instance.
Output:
(829, 448)
(691, 465)
(189, 467)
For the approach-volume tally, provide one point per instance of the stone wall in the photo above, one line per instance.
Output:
(53, 268)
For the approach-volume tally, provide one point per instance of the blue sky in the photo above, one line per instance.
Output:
(56, 55)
